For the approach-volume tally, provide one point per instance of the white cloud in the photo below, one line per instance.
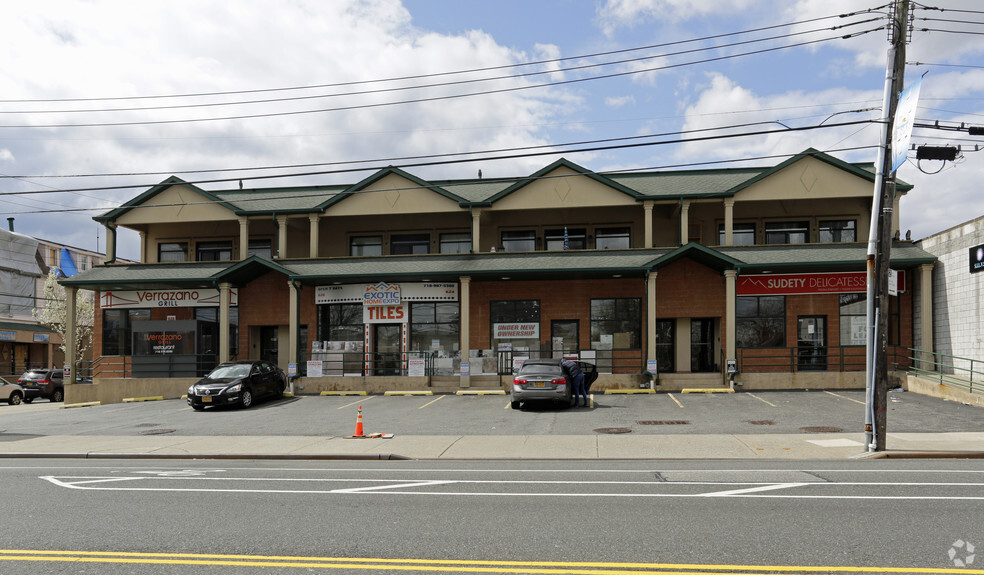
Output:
(619, 101)
(614, 14)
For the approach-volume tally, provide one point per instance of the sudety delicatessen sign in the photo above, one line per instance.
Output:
(799, 284)
(386, 303)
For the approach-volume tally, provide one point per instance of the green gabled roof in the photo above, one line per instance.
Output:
(686, 183)
(563, 162)
(815, 256)
(301, 199)
(703, 254)
(144, 197)
(147, 276)
(365, 183)
(241, 273)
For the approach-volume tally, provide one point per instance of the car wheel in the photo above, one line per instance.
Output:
(514, 404)
(278, 390)
(245, 398)
(198, 407)
(14, 399)
(58, 396)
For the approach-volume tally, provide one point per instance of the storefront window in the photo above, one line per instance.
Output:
(434, 327)
(407, 244)
(787, 232)
(118, 329)
(760, 321)
(616, 323)
(209, 340)
(836, 231)
(172, 252)
(516, 326)
(213, 251)
(340, 322)
(612, 238)
(854, 319)
(456, 243)
(519, 241)
(576, 239)
(366, 246)
(665, 352)
(743, 234)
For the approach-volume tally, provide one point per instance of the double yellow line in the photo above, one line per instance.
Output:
(449, 566)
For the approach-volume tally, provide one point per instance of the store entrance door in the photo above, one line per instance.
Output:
(386, 348)
(702, 345)
(269, 345)
(811, 333)
(564, 337)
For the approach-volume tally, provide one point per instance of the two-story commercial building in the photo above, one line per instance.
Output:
(394, 282)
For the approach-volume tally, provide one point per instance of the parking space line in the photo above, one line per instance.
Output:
(670, 395)
(363, 400)
(760, 399)
(439, 398)
(843, 397)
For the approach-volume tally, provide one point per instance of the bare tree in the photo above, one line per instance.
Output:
(53, 314)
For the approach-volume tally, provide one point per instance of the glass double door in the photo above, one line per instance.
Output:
(811, 336)
(386, 339)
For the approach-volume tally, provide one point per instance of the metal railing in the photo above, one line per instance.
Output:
(948, 369)
(829, 358)
(122, 366)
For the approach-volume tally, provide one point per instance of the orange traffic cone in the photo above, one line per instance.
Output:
(358, 426)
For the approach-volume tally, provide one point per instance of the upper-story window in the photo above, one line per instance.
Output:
(574, 238)
(172, 252)
(787, 232)
(519, 241)
(837, 231)
(405, 244)
(261, 248)
(742, 234)
(366, 246)
(612, 238)
(456, 243)
(213, 251)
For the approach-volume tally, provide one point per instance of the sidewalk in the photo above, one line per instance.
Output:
(824, 446)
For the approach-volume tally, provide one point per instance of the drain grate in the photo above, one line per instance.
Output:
(156, 431)
(664, 422)
(613, 430)
(762, 422)
(821, 429)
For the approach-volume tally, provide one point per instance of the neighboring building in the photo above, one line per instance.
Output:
(24, 266)
(394, 277)
(957, 319)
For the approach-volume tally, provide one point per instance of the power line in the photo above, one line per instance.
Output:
(439, 98)
(437, 85)
(455, 72)
(594, 148)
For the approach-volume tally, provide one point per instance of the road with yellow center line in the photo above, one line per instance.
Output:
(362, 564)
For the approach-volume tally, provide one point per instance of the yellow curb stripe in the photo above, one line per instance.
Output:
(707, 390)
(323, 393)
(86, 404)
(480, 392)
(629, 391)
(136, 399)
(409, 393)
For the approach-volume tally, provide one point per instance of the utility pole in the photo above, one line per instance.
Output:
(880, 238)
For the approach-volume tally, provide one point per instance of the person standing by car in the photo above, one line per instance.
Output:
(576, 376)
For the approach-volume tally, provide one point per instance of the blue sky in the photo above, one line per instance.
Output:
(98, 49)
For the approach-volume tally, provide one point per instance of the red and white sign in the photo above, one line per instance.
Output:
(516, 331)
(798, 284)
(385, 314)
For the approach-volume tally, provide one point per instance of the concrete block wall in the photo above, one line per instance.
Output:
(958, 309)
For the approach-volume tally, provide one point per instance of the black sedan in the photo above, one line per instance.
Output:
(237, 383)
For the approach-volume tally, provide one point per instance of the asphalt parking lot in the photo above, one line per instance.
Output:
(767, 412)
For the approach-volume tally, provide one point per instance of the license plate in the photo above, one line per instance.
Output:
(539, 384)
(206, 399)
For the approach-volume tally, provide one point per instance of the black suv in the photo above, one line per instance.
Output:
(46, 383)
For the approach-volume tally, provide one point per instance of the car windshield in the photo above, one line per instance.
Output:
(229, 371)
(540, 369)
